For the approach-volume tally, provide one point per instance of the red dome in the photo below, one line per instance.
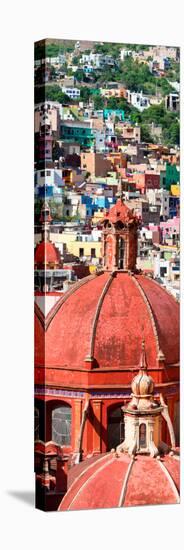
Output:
(109, 482)
(46, 253)
(106, 316)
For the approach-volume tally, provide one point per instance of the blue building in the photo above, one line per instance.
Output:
(115, 113)
(174, 205)
(93, 204)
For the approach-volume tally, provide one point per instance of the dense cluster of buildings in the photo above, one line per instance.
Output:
(80, 166)
(107, 227)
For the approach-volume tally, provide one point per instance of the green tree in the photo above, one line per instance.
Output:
(145, 134)
(54, 93)
(171, 134)
(80, 75)
(99, 102)
(75, 60)
(85, 93)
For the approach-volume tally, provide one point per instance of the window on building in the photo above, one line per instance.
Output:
(163, 271)
(93, 253)
(42, 174)
(121, 250)
(81, 252)
(115, 427)
(142, 436)
(61, 425)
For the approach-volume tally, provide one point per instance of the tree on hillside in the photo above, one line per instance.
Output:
(80, 75)
(54, 93)
(85, 93)
(145, 134)
(99, 102)
(171, 134)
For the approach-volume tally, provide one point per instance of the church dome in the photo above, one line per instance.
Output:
(47, 255)
(109, 314)
(99, 324)
(109, 482)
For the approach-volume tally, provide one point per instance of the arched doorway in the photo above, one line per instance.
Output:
(115, 427)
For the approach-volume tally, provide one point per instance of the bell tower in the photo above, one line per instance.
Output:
(119, 238)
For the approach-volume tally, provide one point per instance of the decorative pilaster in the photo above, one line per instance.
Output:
(97, 411)
(77, 422)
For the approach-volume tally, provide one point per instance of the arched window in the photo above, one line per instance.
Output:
(36, 423)
(61, 425)
(115, 427)
(142, 436)
(121, 250)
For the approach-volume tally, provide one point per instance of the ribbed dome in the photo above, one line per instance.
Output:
(47, 254)
(109, 482)
(104, 317)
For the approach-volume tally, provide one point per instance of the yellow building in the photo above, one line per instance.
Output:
(98, 217)
(88, 248)
(175, 190)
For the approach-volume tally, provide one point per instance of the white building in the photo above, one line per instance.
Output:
(49, 177)
(167, 270)
(73, 93)
(99, 136)
(92, 59)
(138, 100)
(172, 102)
(125, 53)
(72, 202)
(159, 197)
(97, 60)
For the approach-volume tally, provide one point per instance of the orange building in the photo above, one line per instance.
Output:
(95, 163)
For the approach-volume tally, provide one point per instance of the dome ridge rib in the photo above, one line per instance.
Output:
(170, 480)
(39, 314)
(107, 462)
(63, 299)
(150, 312)
(125, 484)
(97, 313)
(79, 478)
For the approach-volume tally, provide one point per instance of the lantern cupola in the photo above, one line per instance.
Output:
(119, 238)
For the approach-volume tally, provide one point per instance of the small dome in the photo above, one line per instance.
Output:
(46, 254)
(109, 482)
